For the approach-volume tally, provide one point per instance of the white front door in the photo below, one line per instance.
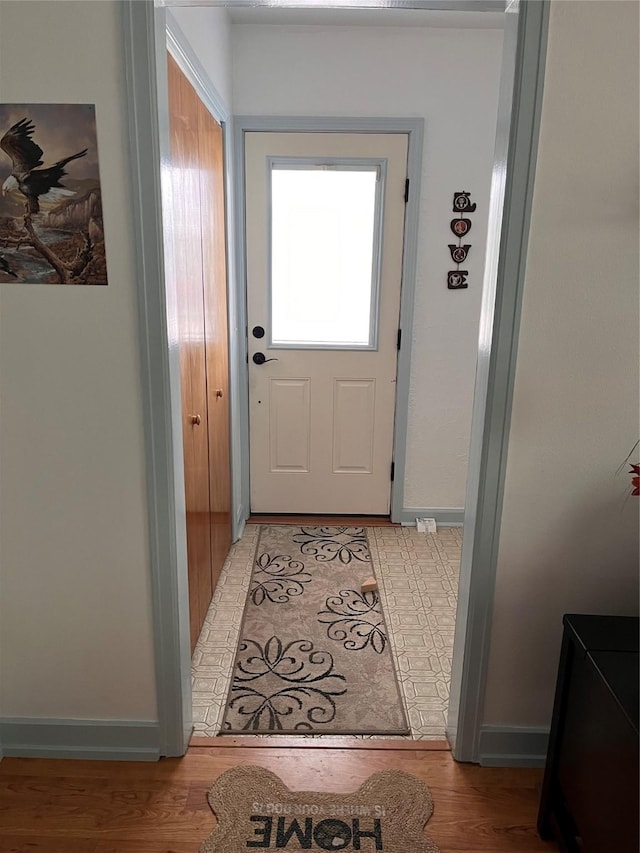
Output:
(324, 226)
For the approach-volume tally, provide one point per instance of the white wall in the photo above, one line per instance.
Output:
(208, 31)
(569, 538)
(451, 78)
(76, 638)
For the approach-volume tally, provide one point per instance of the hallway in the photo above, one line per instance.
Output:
(418, 579)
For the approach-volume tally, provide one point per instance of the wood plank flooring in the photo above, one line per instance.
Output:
(118, 807)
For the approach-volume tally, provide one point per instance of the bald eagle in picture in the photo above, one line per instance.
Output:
(33, 182)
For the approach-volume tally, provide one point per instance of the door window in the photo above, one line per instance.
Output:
(325, 227)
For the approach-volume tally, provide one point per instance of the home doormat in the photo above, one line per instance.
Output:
(314, 654)
(256, 810)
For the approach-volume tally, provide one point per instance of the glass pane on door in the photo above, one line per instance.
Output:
(325, 244)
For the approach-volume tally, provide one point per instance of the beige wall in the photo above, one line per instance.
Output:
(569, 538)
(76, 637)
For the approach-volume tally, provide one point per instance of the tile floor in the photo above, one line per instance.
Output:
(418, 578)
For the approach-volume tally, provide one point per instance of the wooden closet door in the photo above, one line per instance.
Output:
(183, 234)
(214, 269)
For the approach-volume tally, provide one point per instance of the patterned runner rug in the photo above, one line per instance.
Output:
(313, 655)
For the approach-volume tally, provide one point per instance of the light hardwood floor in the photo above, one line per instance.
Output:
(115, 807)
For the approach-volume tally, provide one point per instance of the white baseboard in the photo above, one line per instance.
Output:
(444, 516)
(513, 746)
(112, 740)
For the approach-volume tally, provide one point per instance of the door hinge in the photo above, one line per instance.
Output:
(406, 191)
(399, 338)
(393, 470)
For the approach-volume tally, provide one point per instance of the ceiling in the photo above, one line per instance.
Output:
(366, 17)
(483, 14)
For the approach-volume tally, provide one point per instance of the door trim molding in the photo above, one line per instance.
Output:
(519, 109)
(146, 75)
(413, 128)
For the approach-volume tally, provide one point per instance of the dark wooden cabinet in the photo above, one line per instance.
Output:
(590, 792)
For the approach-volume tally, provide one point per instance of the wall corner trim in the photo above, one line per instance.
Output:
(181, 50)
(520, 104)
(513, 746)
(111, 740)
(241, 522)
(145, 50)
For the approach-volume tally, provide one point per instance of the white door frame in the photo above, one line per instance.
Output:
(413, 128)
(512, 190)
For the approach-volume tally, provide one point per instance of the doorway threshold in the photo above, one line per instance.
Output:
(317, 742)
(322, 520)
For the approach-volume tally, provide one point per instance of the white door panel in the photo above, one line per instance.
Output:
(353, 425)
(289, 425)
(321, 418)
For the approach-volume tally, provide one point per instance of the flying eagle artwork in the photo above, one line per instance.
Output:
(33, 182)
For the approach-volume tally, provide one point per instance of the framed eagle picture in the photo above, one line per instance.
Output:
(51, 226)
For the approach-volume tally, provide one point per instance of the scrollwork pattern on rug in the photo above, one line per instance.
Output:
(304, 702)
(334, 543)
(277, 579)
(355, 619)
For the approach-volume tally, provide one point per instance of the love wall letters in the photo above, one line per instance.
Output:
(460, 227)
